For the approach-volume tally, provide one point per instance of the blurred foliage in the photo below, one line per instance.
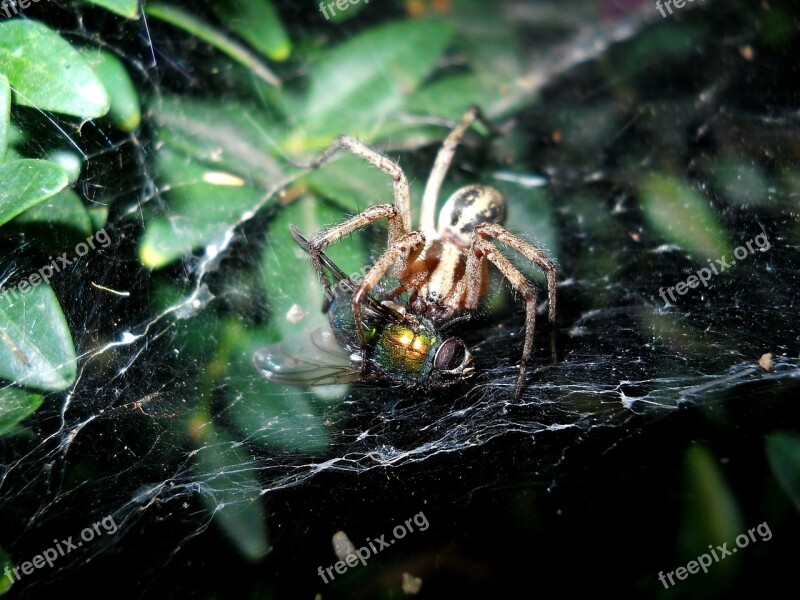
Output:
(783, 453)
(711, 516)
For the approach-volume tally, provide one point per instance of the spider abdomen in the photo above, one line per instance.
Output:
(467, 208)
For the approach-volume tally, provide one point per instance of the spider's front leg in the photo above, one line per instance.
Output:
(359, 221)
(398, 214)
(402, 247)
(402, 193)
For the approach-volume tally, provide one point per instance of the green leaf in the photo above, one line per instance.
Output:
(483, 35)
(71, 162)
(124, 8)
(680, 215)
(27, 182)
(783, 454)
(5, 581)
(98, 215)
(368, 78)
(46, 72)
(15, 406)
(5, 115)
(199, 211)
(352, 182)
(775, 27)
(125, 110)
(499, 70)
(58, 223)
(711, 516)
(36, 348)
(277, 417)
(742, 183)
(451, 97)
(674, 43)
(16, 136)
(269, 414)
(203, 31)
(258, 23)
(232, 136)
(234, 492)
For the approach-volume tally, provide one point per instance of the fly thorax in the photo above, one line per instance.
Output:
(466, 209)
(405, 353)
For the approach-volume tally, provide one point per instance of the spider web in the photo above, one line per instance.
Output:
(170, 430)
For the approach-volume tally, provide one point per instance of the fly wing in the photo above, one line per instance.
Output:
(313, 358)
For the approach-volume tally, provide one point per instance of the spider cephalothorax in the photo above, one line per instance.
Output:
(436, 270)
(442, 266)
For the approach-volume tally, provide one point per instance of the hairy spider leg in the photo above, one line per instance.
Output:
(378, 270)
(529, 251)
(402, 193)
(482, 249)
(427, 218)
(397, 214)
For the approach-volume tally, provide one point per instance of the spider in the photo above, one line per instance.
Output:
(443, 267)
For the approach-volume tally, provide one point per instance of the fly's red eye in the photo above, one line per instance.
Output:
(451, 355)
